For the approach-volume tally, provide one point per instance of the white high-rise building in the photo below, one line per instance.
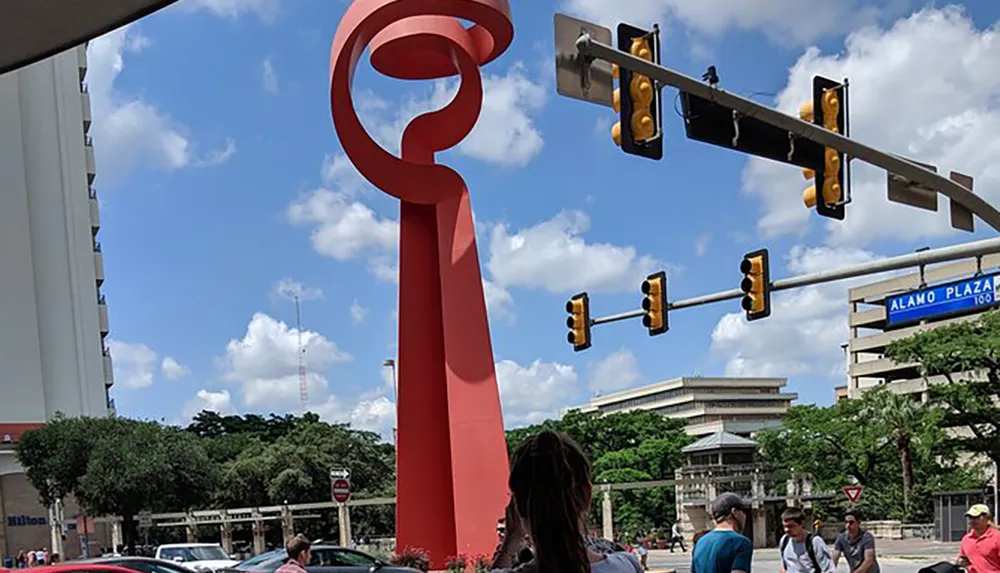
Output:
(53, 317)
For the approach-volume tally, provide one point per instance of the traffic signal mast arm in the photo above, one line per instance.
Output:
(587, 46)
(921, 259)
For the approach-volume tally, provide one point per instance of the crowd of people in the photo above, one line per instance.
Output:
(544, 529)
(28, 559)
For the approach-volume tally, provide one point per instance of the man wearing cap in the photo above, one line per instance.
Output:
(724, 549)
(980, 548)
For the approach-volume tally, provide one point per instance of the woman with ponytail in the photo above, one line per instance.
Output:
(550, 492)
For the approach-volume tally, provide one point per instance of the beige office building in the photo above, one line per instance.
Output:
(738, 406)
(870, 332)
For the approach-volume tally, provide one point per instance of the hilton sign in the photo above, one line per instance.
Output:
(25, 521)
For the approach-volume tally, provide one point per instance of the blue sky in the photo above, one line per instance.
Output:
(223, 188)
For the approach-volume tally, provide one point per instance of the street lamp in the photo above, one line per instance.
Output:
(390, 363)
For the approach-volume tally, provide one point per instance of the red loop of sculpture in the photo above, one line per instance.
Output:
(451, 450)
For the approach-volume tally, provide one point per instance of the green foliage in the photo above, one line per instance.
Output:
(967, 356)
(413, 558)
(864, 441)
(626, 447)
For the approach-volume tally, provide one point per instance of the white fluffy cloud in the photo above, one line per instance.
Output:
(499, 302)
(373, 413)
(358, 312)
(269, 76)
(219, 402)
(787, 21)
(619, 370)
(265, 363)
(134, 364)
(533, 393)
(917, 89)
(554, 256)
(344, 228)
(129, 130)
(289, 289)
(172, 369)
(266, 10)
(505, 133)
(806, 329)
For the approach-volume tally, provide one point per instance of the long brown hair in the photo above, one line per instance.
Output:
(550, 481)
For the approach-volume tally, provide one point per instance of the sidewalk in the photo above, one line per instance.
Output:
(888, 549)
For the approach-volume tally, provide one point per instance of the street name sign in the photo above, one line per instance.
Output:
(949, 299)
(853, 493)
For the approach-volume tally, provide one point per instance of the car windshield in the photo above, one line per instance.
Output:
(185, 554)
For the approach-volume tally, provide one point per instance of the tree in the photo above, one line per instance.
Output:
(626, 447)
(847, 443)
(55, 456)
(966, 355)
(136, 466)
(901, 420)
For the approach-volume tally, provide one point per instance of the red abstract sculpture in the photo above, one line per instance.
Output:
(451, 450)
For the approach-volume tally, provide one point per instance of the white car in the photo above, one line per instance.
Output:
(201, 557)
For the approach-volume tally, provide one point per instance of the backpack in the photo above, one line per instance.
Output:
(809, 549)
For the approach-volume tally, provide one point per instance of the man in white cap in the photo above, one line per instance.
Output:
(980, 548)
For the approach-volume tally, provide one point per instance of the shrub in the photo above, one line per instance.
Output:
(413, 558)
(457, 564)
(480, 564)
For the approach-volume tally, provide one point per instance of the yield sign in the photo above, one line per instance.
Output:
(853, 493)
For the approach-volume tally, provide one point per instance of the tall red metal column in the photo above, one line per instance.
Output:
(451, 450)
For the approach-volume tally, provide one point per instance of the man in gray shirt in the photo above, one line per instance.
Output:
(857, 545)
(800, 550)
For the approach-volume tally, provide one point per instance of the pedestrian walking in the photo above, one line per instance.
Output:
(550, 492)
(856, 545)
(800, 550)
(299, 550)
(676, 536)
(979, 551)
(724, 549)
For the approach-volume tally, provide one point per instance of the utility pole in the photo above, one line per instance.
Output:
(303, 383)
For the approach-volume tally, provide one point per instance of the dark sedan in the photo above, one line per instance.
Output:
(325, 559)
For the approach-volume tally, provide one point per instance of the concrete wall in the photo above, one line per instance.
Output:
(51, 346)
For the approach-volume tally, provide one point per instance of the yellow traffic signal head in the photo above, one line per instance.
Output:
(654, 303)
(831, 110)
(616, 133)
(756, 285)
(806, 112)
(578, 321)
(637, 103)
(640, 48)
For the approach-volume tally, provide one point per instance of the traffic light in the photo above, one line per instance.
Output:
(578, 321)
(655, 303)
(756, 285)
(638, 129)
(828, 109)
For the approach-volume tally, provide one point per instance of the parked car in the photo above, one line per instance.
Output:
(77, 567)
(137, 564)
(196, 556)
(325, 559)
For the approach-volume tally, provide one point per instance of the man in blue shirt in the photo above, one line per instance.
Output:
(725, 549)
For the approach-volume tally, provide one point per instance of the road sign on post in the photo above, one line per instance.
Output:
(853, 493)
(578, 76)
(145, 519)
(341, 490)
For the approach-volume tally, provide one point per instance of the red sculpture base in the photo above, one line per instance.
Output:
(451, 449)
